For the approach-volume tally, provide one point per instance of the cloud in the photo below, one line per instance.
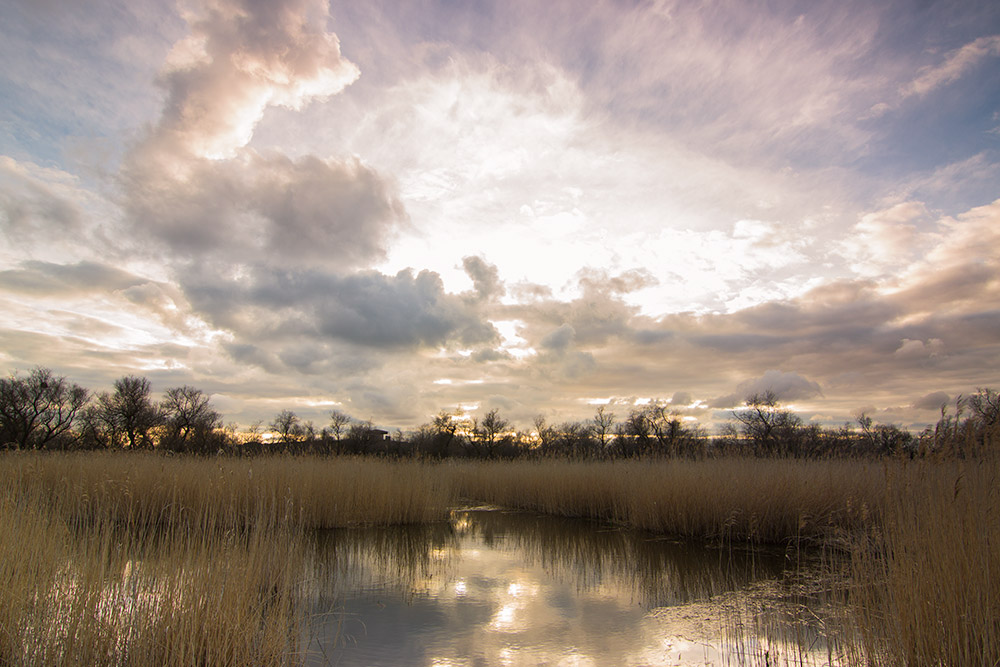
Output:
(787, 386)
(917, 349)
(191, 183)
(240, 57)
(958, 274)
(46, 278)
(366, 309)
(485, 277)
(34, 202)
(956, 64)
(256, 208)
(710, 168)
(744, 80)
(973, 237)
(560, 339)
(889, 239)
(932, 401)
(681, 398)
(263, 245)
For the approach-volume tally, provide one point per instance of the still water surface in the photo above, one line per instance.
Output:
(493, 587)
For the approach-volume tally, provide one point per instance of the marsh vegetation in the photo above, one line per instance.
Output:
(139, 554)
(137, 558)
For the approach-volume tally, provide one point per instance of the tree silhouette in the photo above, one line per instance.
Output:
(768, 428)
(488, 430)
(286, 425)
(603, 422)
(190, 419)
(339, 422)
(130, 412)
(38, 410)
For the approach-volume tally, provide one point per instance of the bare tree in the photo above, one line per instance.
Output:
(309, 430)
(445, 431)
(546, 434)
(254, 429)
(363, 437)
(129, 412)
(488, 431)
(286, 425)
(190, 419)
(883, 438)
(766, 426)
(636, 433)
(575, 439)
(38, 410)
(339, 422)
(985, 405)
(444, 422)
(603, 423)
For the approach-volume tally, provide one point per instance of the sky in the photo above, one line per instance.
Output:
(396, 208)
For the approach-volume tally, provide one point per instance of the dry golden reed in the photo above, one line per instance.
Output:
(927, 581)
(110, 595)
(755, 500)
(129, 558)
(154, 490)
(148, 560)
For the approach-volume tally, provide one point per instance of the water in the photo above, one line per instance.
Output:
(510, 588)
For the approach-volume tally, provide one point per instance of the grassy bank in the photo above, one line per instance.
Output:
(142, 559)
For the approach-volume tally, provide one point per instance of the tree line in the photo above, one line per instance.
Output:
(41, 410)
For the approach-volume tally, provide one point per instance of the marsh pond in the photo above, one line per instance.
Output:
(495, 587)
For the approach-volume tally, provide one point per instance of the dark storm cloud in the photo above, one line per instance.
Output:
(365, 309)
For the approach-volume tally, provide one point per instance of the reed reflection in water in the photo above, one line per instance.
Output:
(493, 587)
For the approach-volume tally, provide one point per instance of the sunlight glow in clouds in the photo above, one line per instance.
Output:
(517, 206)
(221, 79)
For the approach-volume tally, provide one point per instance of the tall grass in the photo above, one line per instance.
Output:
(152, 490)
(928, 579)
(752, 500)
(143, 559)
(119, 594)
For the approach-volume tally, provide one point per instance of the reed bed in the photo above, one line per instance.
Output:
(121, 595)
(927, 581)
(143, 559)
(132, 558)
(147, 489)
(752, 500)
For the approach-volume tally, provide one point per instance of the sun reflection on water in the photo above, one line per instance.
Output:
(503, 588)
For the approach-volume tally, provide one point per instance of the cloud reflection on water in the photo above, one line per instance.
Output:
(505, 588)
